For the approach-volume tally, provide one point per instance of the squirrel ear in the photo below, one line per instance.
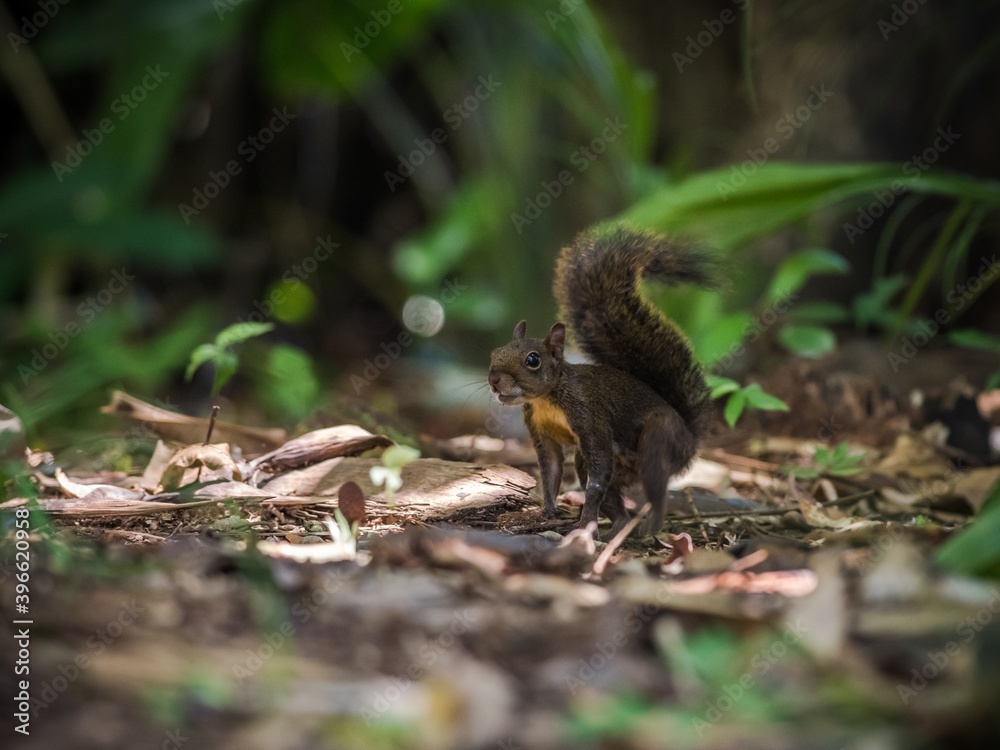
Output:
(519, 330)
(556, 340)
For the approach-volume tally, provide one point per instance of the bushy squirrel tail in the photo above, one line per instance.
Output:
(597, 288)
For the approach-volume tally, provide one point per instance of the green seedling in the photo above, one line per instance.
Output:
(221, 352)
(835, 463)
(390, 473)
(343, 534)
(742, 397)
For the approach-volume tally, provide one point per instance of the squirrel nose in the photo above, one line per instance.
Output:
(493, 380)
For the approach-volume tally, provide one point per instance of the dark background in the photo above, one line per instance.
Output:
(564, 71)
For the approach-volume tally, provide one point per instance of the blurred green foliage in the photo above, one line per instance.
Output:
(973, 550)
(974, 339)
(438, 141)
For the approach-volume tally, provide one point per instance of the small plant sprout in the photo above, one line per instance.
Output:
(835, 463)
(221, 352)
(741, 397)
(390, 473)
(342, 534)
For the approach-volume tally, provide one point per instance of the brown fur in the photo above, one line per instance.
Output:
(637, 413)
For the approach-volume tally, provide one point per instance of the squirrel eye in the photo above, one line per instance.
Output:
(533, 361)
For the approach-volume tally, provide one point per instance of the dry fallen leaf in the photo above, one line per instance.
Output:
(975, 486)
(200, 463)
(185, 429)
(912, 456)
(152, 477)
(95, 491)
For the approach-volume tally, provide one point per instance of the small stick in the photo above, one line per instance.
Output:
(602, 560)
(729, 513)
(211, 423)
(848, 499)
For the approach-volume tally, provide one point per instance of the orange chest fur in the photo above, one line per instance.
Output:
(550, 420)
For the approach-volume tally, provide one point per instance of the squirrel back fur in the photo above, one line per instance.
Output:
(597, 288)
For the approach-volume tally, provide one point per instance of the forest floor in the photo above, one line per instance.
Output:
(799, 595)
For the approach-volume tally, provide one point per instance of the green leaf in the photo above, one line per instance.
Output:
(843, 471)
(818, 312)
(804, 472)
(294, 302)
(398, 456)
(318, 47)
(240, 332)
(201, 355)
(390, 476)
(734, 407)
(219, 353)
(758, 399)
(796, 270)
(456, 232)
(872, 307)
(974, 550)
(289, 383)
(807, 341)
(840, 452)
(721, 386)
(729, 209)
(973, 339)
(225, 367)
(721, 337)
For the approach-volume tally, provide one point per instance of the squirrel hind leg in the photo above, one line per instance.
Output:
(613, 507)
(666, 446)
(613, 504)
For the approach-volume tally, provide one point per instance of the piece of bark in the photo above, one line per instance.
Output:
(97, 505)
(319, 445)
(432, 489)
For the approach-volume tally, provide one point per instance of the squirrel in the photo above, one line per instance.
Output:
(638, 412)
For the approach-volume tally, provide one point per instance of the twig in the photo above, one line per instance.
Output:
(211, 423)
(728, 513)
(177, 528)
(849, 499)
(694, 510)
(718, 454)
(602, 560)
